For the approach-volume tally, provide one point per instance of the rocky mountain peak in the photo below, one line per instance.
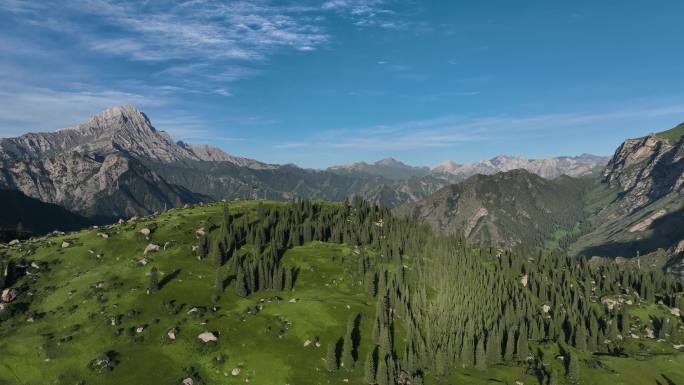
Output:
(647, 168)
(390, 162)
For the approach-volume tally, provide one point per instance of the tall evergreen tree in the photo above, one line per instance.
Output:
(370, 367)
(154, 280)
(331, 357)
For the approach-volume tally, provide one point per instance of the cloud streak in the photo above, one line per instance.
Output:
(454, 130)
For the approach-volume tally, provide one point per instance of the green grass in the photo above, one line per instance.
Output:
(72, 324)
(673, 135)
(80, 323)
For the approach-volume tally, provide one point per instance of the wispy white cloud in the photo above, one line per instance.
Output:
(43, 109)
(455, 130)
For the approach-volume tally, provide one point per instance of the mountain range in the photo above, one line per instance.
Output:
(553, 167)
(118, 165)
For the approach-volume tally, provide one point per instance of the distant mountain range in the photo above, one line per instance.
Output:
(554, 167)
(117, 165)
(635, 207)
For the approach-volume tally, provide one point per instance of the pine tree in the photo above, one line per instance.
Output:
(480, 356)
(369, 369)
(347, 352)
(241, 284)
(218, 283)
(382, 376)
(581, 337)
(154, 280)
(331, 358)
(522, 350)
(510, 346)
(573, 373)
(493, 349)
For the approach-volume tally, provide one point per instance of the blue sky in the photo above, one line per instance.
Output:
(318, 83)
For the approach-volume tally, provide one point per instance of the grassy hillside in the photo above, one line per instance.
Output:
(673, 135)
(98, 310)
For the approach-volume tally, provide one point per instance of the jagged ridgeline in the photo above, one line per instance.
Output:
(315, 292)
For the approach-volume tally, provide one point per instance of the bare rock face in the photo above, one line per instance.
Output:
(94, 168)
(646, 169)
(207, 153)
(121, 128)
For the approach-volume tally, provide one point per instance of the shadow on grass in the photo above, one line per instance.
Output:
(169, 278)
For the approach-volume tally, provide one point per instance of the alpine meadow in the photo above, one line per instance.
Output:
(532, 234)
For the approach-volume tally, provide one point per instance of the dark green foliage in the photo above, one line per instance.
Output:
(331, 357)
(370, 367)
(23, 216)
(154, 280)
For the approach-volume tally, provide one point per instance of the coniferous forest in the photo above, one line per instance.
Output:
(427, 308)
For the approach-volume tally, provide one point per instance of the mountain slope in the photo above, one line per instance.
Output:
(550, 168)
(389, 168)
(648, 211)
(93, 168)
(323, 293)
(505, 209)
(22, 216)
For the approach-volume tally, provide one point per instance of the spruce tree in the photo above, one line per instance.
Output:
(581, 337)
(154, 280)
(522, 350)
(331, 357)
(573, 372)
(382, 376)
(347, 352)
(480, 356)
(370, 367)
(241, 284)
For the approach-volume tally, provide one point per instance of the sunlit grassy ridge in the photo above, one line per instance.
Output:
(88, 300)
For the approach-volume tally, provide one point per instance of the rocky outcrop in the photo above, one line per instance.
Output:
(647, 210)
(646, 169)
(207, 153)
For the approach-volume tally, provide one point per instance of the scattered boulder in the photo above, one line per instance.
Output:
(14, 242)
(609, 303)
(133, 219)
(151, 248)
(140, 329)
(235, 371)
(144, 261)
(207, 337)
(524, 280)
(546, 308)
(8, 295)
(121, 221)
(293, 300)
(675, 311)
(146, 232)
(307, 343)
(200, 232)
(171, 334)
(650, 333)
(65, 244)
(102, 364)
(188, 381)
(103, 235)
(195, 248)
